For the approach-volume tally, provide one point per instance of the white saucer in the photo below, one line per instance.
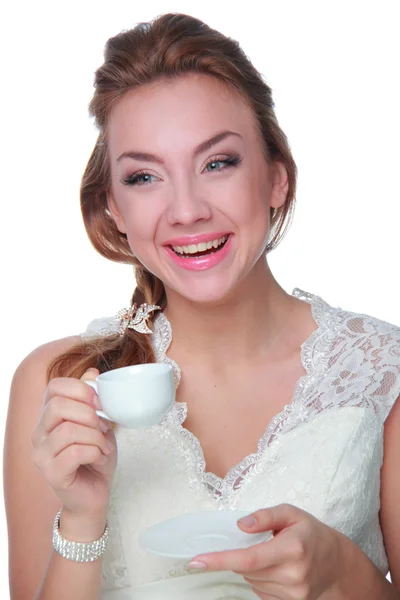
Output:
(198, 533)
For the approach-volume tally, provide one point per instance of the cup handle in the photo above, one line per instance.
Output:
(103, 415)
(92, 384)
(100, 413)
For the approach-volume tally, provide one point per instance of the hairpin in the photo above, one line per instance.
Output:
(135, 318)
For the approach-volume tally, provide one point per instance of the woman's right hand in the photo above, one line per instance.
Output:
(73, 448)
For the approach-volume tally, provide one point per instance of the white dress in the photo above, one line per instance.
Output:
(322, 453)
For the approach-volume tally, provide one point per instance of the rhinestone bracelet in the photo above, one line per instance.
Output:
(78, 551)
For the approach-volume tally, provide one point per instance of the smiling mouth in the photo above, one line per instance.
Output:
(202, 249)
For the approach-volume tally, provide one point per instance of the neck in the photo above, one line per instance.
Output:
(255, 321)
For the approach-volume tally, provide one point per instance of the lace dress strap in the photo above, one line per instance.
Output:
(100, 328)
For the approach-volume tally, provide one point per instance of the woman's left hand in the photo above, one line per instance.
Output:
(303, 561)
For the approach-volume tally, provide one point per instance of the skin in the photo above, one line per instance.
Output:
(75, 456)
(186, 197)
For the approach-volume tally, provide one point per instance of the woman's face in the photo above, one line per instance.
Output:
(187, 168)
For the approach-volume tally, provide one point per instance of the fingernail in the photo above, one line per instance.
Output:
(196, 565)
(103, 426)
(111, 446)
(248, 521)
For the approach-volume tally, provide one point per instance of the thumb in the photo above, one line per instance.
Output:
(90, 375)
(274, 519)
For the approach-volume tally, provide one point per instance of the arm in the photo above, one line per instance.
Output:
(390, 493)
(35, 570)
(364, 580)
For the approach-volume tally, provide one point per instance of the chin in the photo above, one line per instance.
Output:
(205, 292)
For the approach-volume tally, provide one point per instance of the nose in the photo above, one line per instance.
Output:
(187, 205)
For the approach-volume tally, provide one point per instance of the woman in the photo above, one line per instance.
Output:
(192, 181)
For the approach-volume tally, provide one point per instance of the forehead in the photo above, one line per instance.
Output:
(186, 108)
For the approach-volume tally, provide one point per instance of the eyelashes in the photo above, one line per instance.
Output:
(229, 161)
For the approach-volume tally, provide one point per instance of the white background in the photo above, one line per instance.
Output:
(333, 67)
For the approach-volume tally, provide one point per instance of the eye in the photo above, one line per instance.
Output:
(216, 162)
(138, 178)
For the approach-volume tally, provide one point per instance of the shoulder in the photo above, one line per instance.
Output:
(39, 359)
(362, 358)
(30, 377)
(376, 338)
(376, 341)
(364, 326)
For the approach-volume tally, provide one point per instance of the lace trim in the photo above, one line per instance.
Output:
(161, 340)
(102, 327)
(350, 360)
(223, 488)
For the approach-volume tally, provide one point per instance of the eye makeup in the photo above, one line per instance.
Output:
(133, 179)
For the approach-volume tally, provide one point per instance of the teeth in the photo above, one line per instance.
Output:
(193, 248)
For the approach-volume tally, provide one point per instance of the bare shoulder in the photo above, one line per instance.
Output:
(30, 381)
(42, 356)
(30, 504)
(390, 492)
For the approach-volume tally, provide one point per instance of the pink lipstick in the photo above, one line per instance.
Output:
(203, 260)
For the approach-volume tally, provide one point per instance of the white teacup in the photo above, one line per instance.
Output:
(135, 396)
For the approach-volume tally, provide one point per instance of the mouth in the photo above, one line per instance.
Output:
(202, 249)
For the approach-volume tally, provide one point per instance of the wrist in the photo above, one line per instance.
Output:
(349, 564)
(80, 527)
(359, 577)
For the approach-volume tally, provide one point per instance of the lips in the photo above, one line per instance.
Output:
(203, 260)
(188, 240)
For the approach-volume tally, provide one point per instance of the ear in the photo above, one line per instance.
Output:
(115, 213)
(280, 185)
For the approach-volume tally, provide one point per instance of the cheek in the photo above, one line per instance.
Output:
(252, 205)
(141, 225)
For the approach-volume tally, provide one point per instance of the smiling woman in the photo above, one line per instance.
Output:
(231, 200)
(284, 404)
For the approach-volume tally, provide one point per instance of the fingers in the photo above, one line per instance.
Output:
(247, 560)
(66, 448)
(60, 409)
(284, 547)
(90, 374)
(73, 450)
(70, 387)
(68, 399)
(275, 518)
(68, 433)
(289, 573)
(62, 471)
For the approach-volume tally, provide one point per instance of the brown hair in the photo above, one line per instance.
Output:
(169, 46)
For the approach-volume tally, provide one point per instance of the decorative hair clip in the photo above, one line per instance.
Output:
(135, 318)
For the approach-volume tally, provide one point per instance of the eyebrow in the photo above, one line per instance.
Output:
(198, 150)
